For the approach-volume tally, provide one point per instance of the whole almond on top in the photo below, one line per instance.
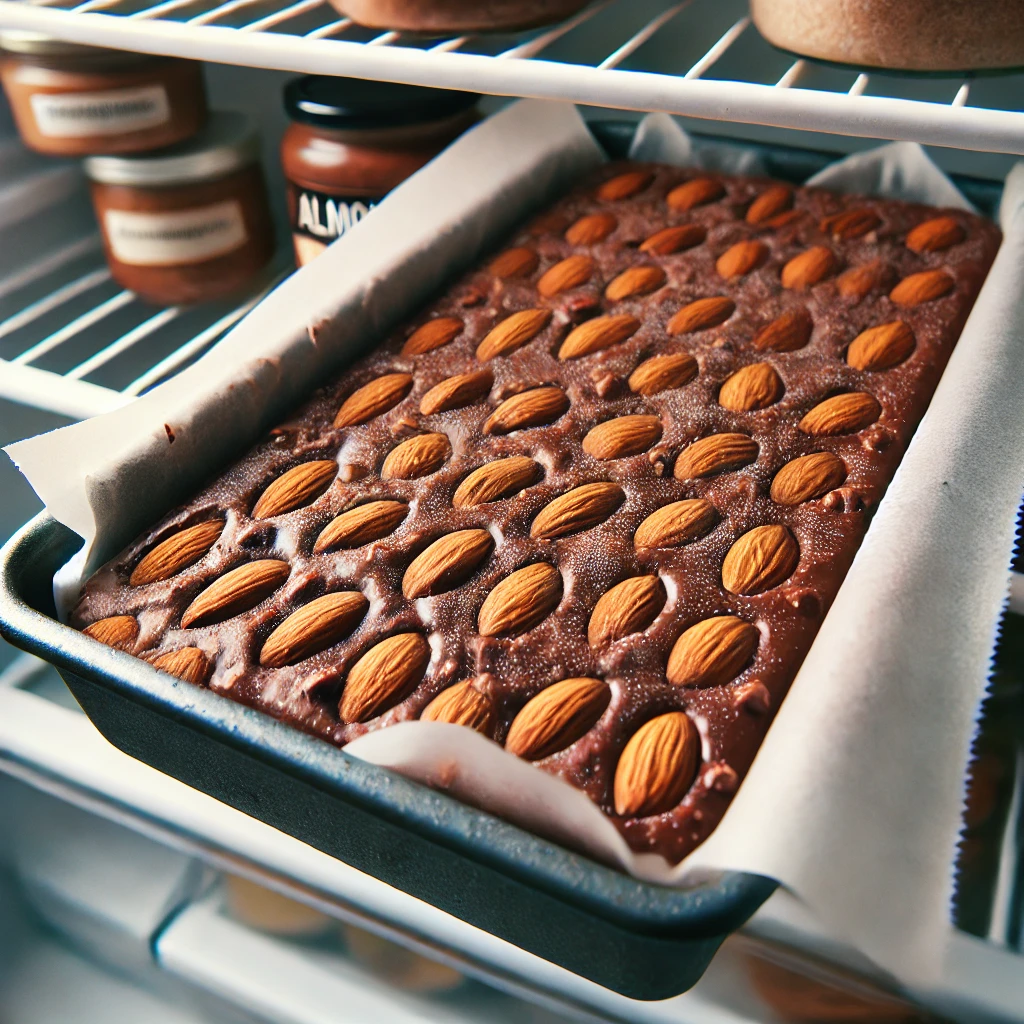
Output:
(417, 456)
(695, 192)
(628, 607)
(387, 673)
(622, 437)
(360, 525)
(518, 262)
(671, 240)
(712, 652)
(534, 408)
(857, 282)
(841, 414)
(807, 478)
(554, 221)
(935, 235)
(600, 333)
(771, 201)
(176, 552)
(810, 267)
(719, 453)
(457, 392)
(675, 524)
(851, 224)
(313, 628)
(761, 559)
(463, 704)
(235, 592)
(702, 314)
(579, 509)
(496, 480)
(188, 664)
(663, 373)
(433, 334)
(566, 274)
(522, 600)
(447, 563)
(120, 631)
(591, 229)
(513, 332)
(786, 333)
(881, 347)
(299, 486)
(923, 287)
(741, 258)
(657, 766)
(635, 281)
(750, 388)
(373, 399)
(624, 185)
(557, 717)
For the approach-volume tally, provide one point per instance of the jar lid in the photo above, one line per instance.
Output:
(227, 143)
(16, 40)
(352, 103)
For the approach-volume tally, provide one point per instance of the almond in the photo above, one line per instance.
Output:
(761, 559)
(635, 281)
(850, 224)
(675, 524)
(463, 704)
(695, 192)
(373, 399)
(807, 478)
(518, 262)
(590, 230)
(657, 766)
(360, 525)
(600, 333)
(447, 563)
(841, 414)
(534, 408)
(313, 628)
(557, 717)
(120, 631)
(923, 287)
(741, 258)
(786, 333)
(624, 185)
(299, 486)
(663, 373)
(568, 273)
(718, 453)
(770, 202)
(188, 664)
(935, 235)
(496, 480)
(579, 509)
(712, 652)
(702, 314)
(417, 456)
(384, 675)
(552, 221)
(456, 392)
(753, 387)
(784, 219)
(810, 267)
(671, 240)
(628, 607)
(857, 282)
(513, 332)
(521, 601)
(177, 552)
(881, 347)
(622, 437)
(235, 592)
(433, 334)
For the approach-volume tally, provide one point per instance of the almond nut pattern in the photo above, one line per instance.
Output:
(629, 607)
(521, 601)
(313, 628)
(496, 480)
(935, 235)
(788, 332)
(657, 766)
(622, 437)
(570, 273)
(624, 186)
(513, 333)
(590, 230)
(761, 559)
(881, 347)
(770, 202)
(579, 509)
(463, 704)
(418, 456)
(518, 262)
(633, 282)
(386, 674)
(534, 408)
(297, 487)
(719, 453)
(177, 552)
(693, 193)
(447, 563)
(361, 525)
(675, 524)
(810, 267)
(433, 334)
(702, 314)
(741, 258)
(712, 652)
(753, 387)
(924, 287)
(600, 333)
(676, 239)
(557, 717)
(373, 399)
(188, 664)
(807, 478)
(120, 631)
(456, 392)
(842, 414)
(663, 373)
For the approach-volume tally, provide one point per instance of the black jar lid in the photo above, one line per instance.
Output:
(353, 103)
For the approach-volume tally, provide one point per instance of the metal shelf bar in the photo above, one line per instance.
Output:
(534, 46)
(218, 12)
(718, 50)
(330, 29)
(80, 323)
(47, 265)
(631, 45)
(275, 19)
(792, 75)
(54, 300)
(125, 342)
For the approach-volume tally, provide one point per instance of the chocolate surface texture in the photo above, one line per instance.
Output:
(552, 541)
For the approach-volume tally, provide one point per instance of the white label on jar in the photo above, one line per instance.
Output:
(77, 115)
(171, 239)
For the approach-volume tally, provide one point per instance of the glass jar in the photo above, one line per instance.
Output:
(188, 223)
(350, 142)
(72, 100)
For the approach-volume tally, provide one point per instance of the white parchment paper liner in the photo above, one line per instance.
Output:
(854, 800)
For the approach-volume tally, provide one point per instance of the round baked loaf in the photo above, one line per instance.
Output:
(910, 35)
(437, 16)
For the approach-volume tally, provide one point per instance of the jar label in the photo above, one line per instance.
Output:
(319, 218)
(173, 238)
(81, 114)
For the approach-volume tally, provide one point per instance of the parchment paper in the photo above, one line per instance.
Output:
(854, 801)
